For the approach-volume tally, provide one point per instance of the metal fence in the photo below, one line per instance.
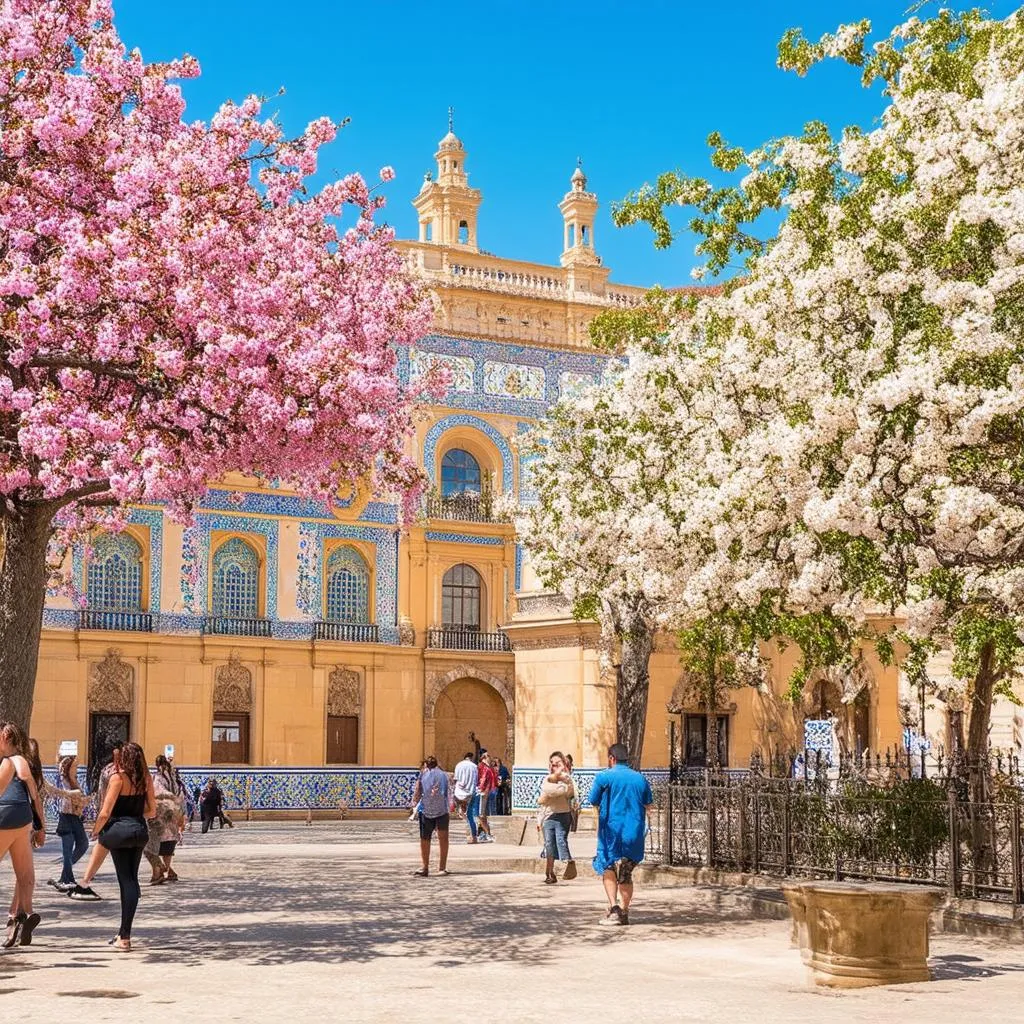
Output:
(848, 824)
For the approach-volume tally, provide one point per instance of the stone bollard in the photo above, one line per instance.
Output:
(852, 935)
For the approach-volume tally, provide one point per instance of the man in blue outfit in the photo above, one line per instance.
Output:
(621, 797)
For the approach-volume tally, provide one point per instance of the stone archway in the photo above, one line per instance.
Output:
(468, 699)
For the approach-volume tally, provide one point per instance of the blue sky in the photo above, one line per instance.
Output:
(633, 89)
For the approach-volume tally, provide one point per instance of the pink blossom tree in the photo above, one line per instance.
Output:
(176, 303)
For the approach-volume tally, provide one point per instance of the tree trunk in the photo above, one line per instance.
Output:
(24, 535)
(711, 713)
(636, 637)
(978, 768)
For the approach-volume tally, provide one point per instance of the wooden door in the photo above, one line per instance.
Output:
(230, 740)
(342, 739)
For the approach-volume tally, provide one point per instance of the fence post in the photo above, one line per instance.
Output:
(709, 793)
(756, 861)
(785, 834)
(1018, 868)
(741, 839)
(954, 847)
(667, 831)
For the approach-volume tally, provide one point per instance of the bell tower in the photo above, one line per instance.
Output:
(447, 206)
(578, 210)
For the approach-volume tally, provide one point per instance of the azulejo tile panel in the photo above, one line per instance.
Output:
(526, 784)
(298, 789)
(463, 538)
(461, 368)
(571, 384)
(196, 557)
(551, 363)
(511, 380)
(310, 572)
(435, 433)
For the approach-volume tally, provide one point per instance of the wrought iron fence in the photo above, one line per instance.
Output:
(850, 824)
(467, 640)
(135, 622)
(350, 632)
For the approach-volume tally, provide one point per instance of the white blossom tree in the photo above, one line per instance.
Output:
(869, 365)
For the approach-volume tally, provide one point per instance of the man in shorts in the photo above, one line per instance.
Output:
(621, 797)
(485, 782)
(432, 792)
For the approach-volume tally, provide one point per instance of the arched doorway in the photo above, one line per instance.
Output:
(468, 706)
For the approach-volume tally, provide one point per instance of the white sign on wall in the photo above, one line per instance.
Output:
(68, 748)
(169, 751)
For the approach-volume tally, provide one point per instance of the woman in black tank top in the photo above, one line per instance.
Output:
(121, 828)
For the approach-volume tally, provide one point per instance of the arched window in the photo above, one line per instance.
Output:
(348, 586)
(114, 580)
(460, 598)
(236, 580)
(460, 474)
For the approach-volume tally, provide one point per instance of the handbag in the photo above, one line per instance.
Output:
(124, 834)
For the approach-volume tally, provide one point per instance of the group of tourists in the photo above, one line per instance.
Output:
(139, 814)
(619, 795)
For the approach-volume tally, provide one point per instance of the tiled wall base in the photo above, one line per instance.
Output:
(355, 789)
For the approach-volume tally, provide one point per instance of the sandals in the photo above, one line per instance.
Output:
(550, 879)
(171, 876)
(14, 931)
(28, 926)
(117, 941)
(420, 873)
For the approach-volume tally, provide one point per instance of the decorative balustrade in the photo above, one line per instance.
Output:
(452, 638)
(349, 632)
(498, 279)
(217, 625)
(466, 508)
(131, 622)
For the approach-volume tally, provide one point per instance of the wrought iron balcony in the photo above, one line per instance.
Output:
(465, 508)
(452, 638)
(350, 632)
(218, 625)
(132, 622)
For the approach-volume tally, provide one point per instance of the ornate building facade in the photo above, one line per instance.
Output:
(275, 637)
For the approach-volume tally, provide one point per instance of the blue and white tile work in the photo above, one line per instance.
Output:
(299, 789)
(435, 433)
(310, 575)
(818, 737)
(526, 783)
(507, 378)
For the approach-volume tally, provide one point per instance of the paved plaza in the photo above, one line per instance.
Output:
(287, 922)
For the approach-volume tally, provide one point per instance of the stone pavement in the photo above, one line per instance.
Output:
(287, 922)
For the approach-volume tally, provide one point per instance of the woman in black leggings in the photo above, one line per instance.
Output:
(121, 828)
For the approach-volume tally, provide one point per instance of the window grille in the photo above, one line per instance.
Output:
(114, 578)
(348, 586)
(236, 580)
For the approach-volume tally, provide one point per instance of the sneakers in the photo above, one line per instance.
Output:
(570, 871)
(614, 918)
(84, 893)
(65, 887)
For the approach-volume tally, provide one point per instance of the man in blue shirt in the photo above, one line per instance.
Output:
(621, 797)
(432, 793)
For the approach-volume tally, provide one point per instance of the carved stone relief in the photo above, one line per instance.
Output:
(343, 692)
(111, 685)
(232, 690)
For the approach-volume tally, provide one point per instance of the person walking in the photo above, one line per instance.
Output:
(211, 803)
(432, 789)
(165, 827)
(621, 797)
(504, 777)
(74, 841)
(484, 785)
(121, 828)
(84, 892)
(465, 791)
(21, 809)
(554, 818)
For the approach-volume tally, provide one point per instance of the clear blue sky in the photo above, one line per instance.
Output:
(632, 88)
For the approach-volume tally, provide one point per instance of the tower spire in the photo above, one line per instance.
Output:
(451, 119)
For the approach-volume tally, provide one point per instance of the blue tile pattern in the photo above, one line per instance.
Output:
(555, 364)
(526, 784)
(818, 737)
(437, 430)
(463, 538)
(310, 573)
